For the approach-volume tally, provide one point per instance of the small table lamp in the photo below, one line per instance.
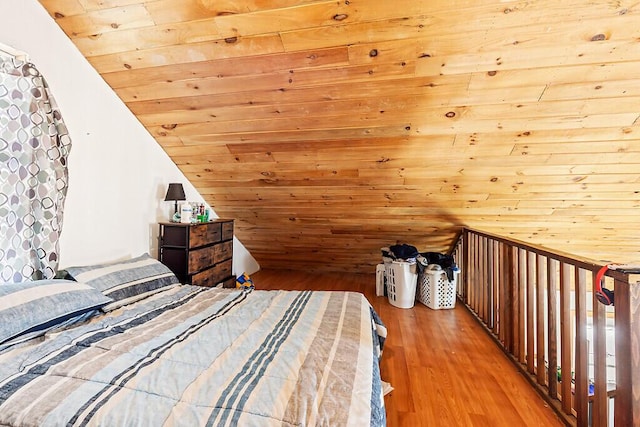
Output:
(175, 192)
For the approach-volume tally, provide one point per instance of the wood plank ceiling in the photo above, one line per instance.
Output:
(331, 128)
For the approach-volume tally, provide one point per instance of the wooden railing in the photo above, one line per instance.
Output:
(541, 309)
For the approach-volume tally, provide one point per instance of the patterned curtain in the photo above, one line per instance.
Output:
(34, 145)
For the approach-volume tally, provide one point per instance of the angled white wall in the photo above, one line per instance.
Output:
(118, 175)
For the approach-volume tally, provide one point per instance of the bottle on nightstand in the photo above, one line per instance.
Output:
(185, 213)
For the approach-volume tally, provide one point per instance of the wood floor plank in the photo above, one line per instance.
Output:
(445, 369)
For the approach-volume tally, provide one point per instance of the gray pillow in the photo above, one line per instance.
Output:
(36, 306)
(128, 280)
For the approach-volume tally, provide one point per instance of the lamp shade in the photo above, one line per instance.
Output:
(175, 192)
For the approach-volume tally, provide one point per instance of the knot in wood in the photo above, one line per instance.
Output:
(373, 53)
(340, 17)
(450, 114)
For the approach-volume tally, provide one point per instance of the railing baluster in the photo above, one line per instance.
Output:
(531, 321)
(497, 301)
(627, 401)
(472, 268)
(565, 335)
(599, 410)
(487, 282)
(483, 269)
(494, 302)
(540, 319)
(489, 293)
(463, 254)
(552, 333)
(521, 311)
(499, 293)
(581, 364)
(477, 277)
(508, 296)
(513, 285)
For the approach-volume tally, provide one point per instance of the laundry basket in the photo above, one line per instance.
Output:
(436, 291)
(401, 278)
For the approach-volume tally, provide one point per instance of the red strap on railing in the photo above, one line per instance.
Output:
(604, 296)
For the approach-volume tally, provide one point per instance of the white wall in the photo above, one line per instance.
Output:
(118, 174)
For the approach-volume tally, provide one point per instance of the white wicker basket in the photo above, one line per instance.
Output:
(436, 291)
(400, 280)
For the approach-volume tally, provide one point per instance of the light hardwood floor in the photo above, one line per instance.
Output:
(445, 369)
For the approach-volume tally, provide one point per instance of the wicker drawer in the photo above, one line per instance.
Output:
(204, 278)
(214, 275)
(197, 236)
(227, 230)
(223, 251)
(214, 231)
(199, 259)
(223, 269)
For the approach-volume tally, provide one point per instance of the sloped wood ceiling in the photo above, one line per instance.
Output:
(329, 129)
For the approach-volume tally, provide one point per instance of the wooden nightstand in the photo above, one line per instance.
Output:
(199, 254)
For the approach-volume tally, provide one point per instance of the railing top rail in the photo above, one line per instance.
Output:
(583, 263)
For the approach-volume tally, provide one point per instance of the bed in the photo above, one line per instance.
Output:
(146, 350)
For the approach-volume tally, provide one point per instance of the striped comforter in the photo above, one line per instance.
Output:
(194, 356)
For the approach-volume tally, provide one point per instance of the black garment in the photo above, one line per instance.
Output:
(447, 262)
(404, 251)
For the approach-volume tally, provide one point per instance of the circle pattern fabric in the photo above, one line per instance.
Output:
(34, 146)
